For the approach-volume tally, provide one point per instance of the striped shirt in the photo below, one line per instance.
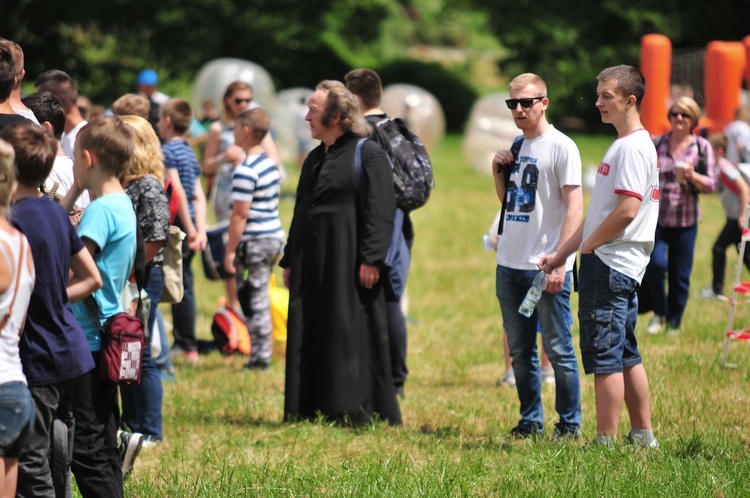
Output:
(258, 181)
(180, 156)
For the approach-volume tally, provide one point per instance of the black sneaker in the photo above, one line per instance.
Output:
(256, 365)
(523, 432)
(130, 446)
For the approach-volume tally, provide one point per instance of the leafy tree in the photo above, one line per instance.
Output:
(103, 45)
(568, 43)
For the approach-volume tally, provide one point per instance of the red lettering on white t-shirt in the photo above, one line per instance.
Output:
(604, 169)
(655, 193)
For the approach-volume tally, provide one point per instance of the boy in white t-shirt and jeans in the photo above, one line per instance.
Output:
(616, 241)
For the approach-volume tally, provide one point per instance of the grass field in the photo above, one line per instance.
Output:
(224, 435)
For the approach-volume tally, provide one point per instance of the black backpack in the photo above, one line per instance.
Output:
(412, 169)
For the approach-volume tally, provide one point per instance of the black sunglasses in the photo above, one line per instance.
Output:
(684, 115)
(242, 101)
(525, 103)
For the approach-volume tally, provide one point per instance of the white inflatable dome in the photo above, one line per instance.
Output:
(419, 108)
(490, 128)
(289, 128)
(214, 77)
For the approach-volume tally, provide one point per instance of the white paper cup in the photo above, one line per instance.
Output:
(679, 171)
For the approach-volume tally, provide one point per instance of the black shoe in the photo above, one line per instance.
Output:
(130, 447)
(256, 365)
(523, 432)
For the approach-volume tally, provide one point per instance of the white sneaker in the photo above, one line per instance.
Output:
(653, 443)
(708, 293)
(508, 381)
(656, 324)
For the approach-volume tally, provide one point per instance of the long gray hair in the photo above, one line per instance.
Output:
(342, 103)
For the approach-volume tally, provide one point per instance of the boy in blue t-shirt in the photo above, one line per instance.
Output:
(182, 168)
(52, 347)
(108, 230)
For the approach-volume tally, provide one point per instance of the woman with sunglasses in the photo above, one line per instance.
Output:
(686, 168)
(222, 155)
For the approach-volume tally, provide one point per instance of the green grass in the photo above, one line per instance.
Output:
(224, 435)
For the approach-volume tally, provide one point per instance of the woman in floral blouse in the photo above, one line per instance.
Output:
(144, 184)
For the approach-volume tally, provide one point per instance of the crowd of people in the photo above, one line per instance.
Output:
(78, 197)
(81, 193)
(88, 194)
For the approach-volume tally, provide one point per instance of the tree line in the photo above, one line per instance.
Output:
(105, 44)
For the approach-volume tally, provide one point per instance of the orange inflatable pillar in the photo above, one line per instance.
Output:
(656, 66)
(724, 69)
(746, 42)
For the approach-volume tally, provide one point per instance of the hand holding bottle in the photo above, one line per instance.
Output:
(534, 294)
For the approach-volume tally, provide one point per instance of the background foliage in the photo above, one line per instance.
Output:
(570, 42)
(103, 45)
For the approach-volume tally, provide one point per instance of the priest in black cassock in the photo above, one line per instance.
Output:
(338, 358)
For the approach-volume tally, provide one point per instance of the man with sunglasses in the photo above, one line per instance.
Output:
(541, 185)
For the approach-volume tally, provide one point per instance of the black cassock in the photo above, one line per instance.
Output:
(338, 359)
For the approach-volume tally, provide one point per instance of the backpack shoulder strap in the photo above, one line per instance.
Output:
(358, 167)
(515, 149)
(19, 269)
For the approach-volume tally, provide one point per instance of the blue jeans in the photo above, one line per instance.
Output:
(163, 361)
(673, 256)
(141, 403)
(607, 312)
(16, 418)
(553, 314)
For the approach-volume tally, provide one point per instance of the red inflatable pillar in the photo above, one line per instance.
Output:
(656, 66)
(725, 66)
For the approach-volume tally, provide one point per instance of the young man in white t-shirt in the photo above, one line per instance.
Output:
(616, 242)
(51, 115)
(544, 206)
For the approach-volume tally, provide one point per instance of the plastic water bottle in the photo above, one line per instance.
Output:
(534, 294)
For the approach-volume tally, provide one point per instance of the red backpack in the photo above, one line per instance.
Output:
(230, 332)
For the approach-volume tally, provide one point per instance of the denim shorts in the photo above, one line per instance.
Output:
(607, 313)
(16, 418)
